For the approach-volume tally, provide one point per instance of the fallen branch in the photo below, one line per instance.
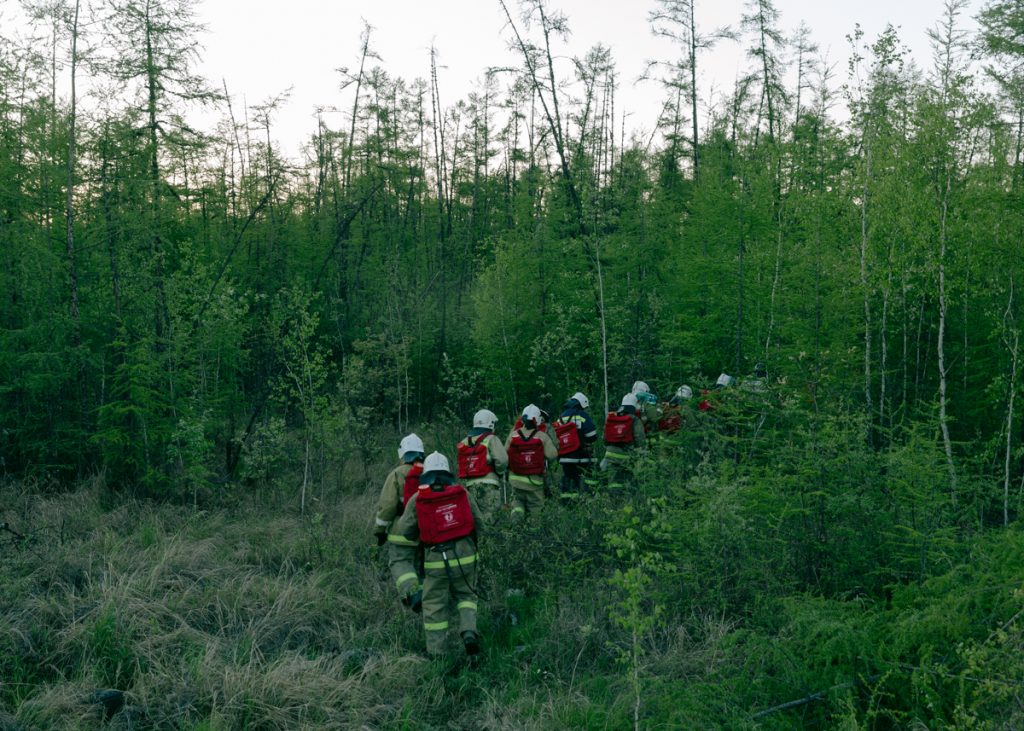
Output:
(820, 695)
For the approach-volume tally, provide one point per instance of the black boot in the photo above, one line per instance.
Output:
(472, 642)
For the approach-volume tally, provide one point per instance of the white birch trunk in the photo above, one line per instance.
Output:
(864, 276)
(947, 442)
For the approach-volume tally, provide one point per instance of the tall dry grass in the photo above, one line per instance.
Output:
(253, 616)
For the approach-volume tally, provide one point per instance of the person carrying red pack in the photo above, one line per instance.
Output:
(648, 410)
(482, 461)
(542, 421)
(400, 484)
(676, 411)
(441, 516)
(711, 398)
(529, 449)
(575, 433)
(623, 435)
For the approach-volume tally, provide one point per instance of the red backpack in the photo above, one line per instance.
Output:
(443, 515)
(567, 437)
(526, 456)
(618, 429)
(672, 421)
(473, 457)
(412, 483)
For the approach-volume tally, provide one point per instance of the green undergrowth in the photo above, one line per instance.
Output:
(691, 603)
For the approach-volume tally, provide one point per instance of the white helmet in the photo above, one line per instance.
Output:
(532, 413)
(640, 387)
(684, 391)
(411, 443)
(630, 400)
(583, 401)
(484, 419)
(436, 462)
(724, 380)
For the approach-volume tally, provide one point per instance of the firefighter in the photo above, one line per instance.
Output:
(442, 518)
(575, 433)
(648, 410)
(482, 462)
(755, 399)
(529, 449)
(682, 396)
(712, 397)
(399, 486)
(623, 435)
(678, 412)
(541, 421)
(758, 384)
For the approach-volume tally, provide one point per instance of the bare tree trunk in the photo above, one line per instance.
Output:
(440, 163)
(767, 90)
(552, 113)
(156, 239)
(775, 287)
(108, 224)
(740, 274)
(305, 476)
(965, 367)
(504, 342)
(883, 345)
(1012, 340)
(864, 276)
(364, 53)
(693, 91)
(69, 211)
(1018, 147)
(604, 329)
(905, 386)
(941, 342)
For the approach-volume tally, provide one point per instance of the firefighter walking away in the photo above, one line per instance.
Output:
(529, 449)
(441, 518)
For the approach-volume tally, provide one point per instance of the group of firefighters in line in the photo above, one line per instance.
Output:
(429, 515)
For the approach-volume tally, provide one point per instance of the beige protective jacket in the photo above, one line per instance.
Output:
(390, 502)
(550, 455)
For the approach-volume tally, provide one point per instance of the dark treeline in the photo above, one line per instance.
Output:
(187, 307)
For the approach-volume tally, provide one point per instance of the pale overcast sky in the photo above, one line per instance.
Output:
(261, 48)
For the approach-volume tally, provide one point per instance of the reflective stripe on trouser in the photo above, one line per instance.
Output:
(619, 474)
(402, 563)
(444, 588)
(487, 499)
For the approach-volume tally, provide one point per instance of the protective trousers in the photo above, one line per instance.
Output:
(573, 482)
(486, 500)
(402, 562)
(619, 467)
(527, 496)
(450, 580)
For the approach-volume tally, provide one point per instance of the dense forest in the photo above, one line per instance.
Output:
(192, 320)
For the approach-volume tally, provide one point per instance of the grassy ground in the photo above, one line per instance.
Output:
(251, 616)
(257, 617)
